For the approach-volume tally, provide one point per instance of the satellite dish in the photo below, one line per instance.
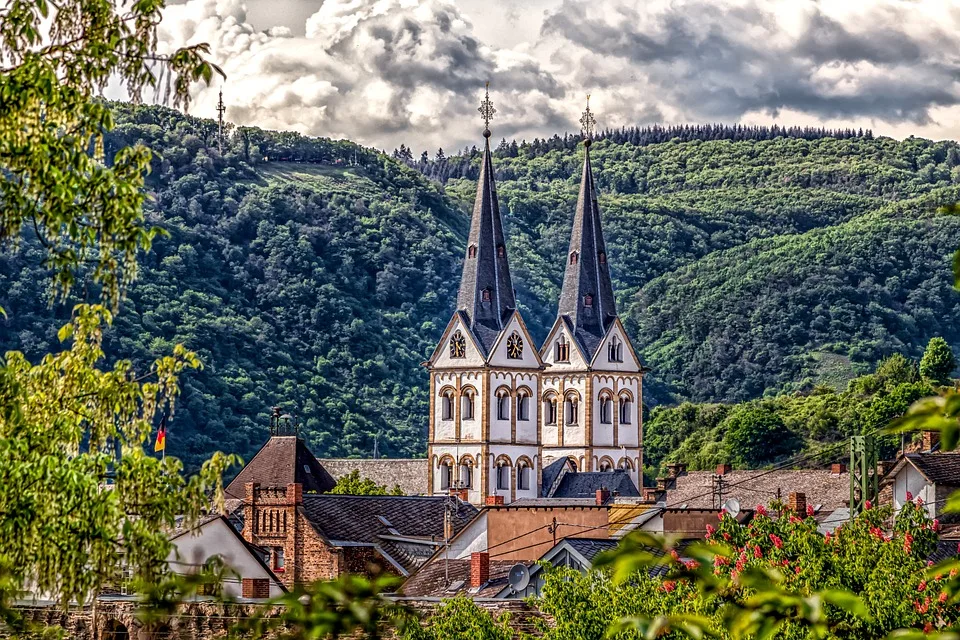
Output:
(519, 577)
(732, 507)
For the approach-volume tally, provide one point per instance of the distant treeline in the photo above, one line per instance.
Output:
(443, 167)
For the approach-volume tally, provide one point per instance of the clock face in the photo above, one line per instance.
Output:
(458, 346)
(514, 347)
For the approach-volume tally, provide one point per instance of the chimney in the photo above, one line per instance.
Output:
(603, 494)
(676, 469)
(463, 494)
(930, 440)
(669, 482)
(295, 494)
(479, 569)
(494, 501)
(724, 469)
(652, 495)
(838, 468)
(797, 502)
(255, 588)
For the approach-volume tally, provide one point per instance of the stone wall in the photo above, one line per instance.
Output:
(409, 473)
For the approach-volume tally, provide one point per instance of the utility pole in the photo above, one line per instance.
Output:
(717, 491)
(220, 111)
(864, 481)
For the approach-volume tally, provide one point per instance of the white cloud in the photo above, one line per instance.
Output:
(385, 72)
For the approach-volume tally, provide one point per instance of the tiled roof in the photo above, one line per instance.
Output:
(590, 548)
(431, 580)
(939, 468)
(585, 484)
(281, 461)
(550, 474)
(947, 549)
(361, 519)
(695, 488)
(409, 473)
(553, 502)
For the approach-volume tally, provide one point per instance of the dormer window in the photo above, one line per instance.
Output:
(486, 295)
(501, 251)
(615, 350)
(472, 251)
(602, 257)
(574, 256)
(563, 350)
(588, 301)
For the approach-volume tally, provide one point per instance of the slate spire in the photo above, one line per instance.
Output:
(586, 300)
(486, 291)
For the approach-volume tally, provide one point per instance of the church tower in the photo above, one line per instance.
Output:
(485, 373)
(592, 385)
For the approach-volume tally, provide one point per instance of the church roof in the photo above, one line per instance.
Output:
(586, 300)
(486, 290)
(281, 461)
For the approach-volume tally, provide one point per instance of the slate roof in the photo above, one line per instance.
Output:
(830, 491)
(431, 580)
(590, 548)
(281, 461)
(585, 484)
(550, 474)
(409, 473)
(589, 275)
(488, 270)
(360, 519)
(947, 549)
(939, 468)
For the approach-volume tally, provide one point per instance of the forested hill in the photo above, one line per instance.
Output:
(318, 275)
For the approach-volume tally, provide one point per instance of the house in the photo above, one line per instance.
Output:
(321, 536)
(283, 460)
(249, 576)
(931, 476)
(561, 479)
(573, 553)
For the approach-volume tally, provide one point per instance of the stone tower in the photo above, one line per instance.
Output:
(592, 385)
(485, 372)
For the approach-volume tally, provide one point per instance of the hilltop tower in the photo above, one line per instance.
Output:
(485, 372)
(592, 386)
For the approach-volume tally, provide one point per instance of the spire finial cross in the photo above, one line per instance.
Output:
(587, 122)
(486, 111)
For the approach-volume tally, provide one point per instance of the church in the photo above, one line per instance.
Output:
(503, 410)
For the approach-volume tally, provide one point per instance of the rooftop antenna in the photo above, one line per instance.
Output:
(220, 110)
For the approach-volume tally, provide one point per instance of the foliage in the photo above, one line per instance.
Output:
(353, 484)
(347, 606)
(769, 430)
(938, 361)
(459, 619)
(56, 57)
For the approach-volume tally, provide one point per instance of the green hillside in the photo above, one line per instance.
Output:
(318, 275)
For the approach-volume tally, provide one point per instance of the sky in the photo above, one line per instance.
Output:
(391, 72)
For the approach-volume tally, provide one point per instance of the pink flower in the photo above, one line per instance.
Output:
(907, 542)
(943, 597)
(927, 628)
(761, 510)
(693, 564)
(710, 531)
(909, 496)
(796, 570)
(794, 519)
(809, 510)
(867, 504)
(936, 525)
(720, 561)
(726, 536)
(919, 501)
(669, 586)
(674, 555)
(777, 542)
(922, 586)
(722, 513)
(757, 553)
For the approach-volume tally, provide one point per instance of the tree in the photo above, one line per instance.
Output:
(459, 619)
(353, 484)
(938, 361)
(757, 436)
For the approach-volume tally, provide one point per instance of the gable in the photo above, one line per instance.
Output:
(442, 357)
(499, 354)
(629, 362)
(576, 360)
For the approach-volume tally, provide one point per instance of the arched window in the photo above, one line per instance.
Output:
(446, 473)
(503, 404)
(501, 251)
(472, 251)
(523, 476)
(606, 464)
(466, 404)
(574, 256)
(588, 300)
(615, 350)
(466, 474)
(523, 405)
(503, 474)
(573, 463)
(486, 295)
(602, 257)
(606, 409)
(446, 404)
(562, 350)
(571, 409)
(115, 630)
(550, 409)
(626, 409)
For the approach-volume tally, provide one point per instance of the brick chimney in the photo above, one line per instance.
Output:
(494, 501)
(603, 494)
(838, 468)
(724, 469)
(676, 469)
(930, 440)
(652, 494)
(797, 502)
(463, 494)
(255, 588)
(479, 569)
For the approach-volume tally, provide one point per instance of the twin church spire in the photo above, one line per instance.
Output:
(486, 293)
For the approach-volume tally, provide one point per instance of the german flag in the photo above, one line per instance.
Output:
(161, 443)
